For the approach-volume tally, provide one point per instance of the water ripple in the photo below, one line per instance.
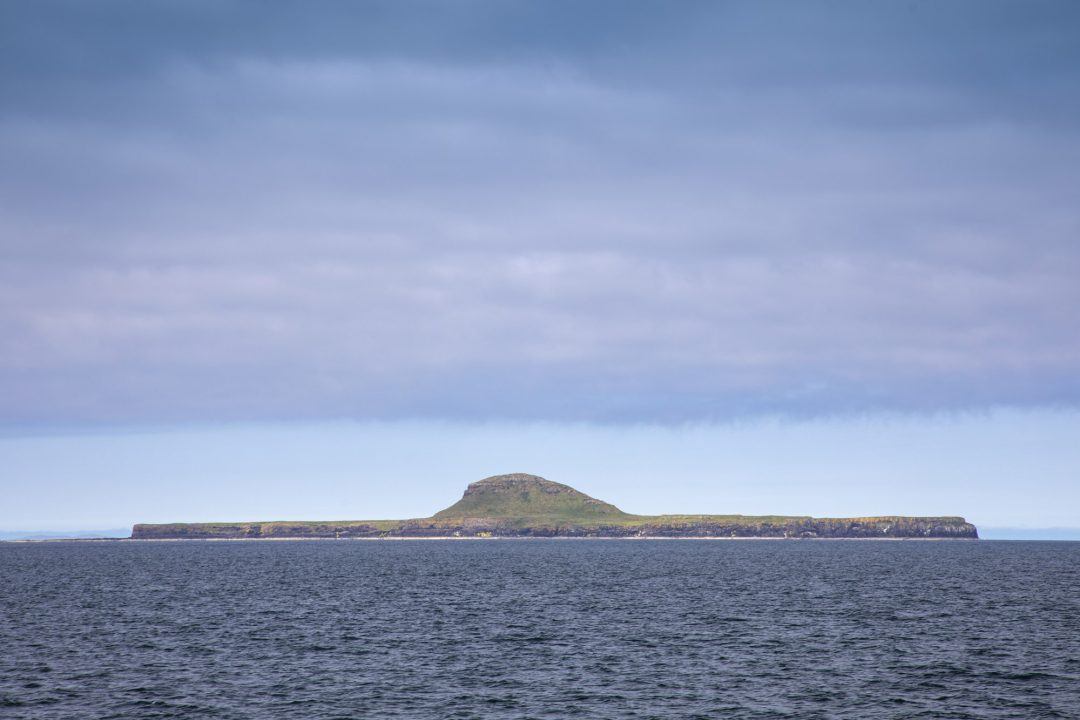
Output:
(539, 629)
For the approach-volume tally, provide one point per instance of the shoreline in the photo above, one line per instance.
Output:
(486, 539)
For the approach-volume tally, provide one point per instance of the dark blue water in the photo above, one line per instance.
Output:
(540, 629)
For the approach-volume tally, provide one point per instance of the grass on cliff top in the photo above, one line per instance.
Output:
(522, 500)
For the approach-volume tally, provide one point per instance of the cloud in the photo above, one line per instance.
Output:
(535, 211)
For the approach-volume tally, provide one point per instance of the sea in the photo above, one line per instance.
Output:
(320, 630)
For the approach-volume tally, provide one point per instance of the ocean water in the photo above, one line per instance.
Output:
(540, 629)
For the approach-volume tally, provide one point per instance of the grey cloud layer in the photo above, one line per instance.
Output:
(646, 212)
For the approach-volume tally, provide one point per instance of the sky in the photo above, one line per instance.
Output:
(818, 258)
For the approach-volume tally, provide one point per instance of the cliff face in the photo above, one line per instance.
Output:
(658, 526)
(521, 505)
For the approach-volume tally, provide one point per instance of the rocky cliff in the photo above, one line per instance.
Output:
(520, 505)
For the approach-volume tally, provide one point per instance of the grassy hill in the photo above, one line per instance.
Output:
(519, 495)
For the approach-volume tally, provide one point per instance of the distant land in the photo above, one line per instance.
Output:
(521, 505)
(63, 534)
(1030, 533)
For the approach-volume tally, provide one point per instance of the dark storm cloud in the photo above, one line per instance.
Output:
(613, 211)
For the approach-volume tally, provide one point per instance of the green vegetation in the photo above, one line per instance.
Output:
(520, 496)
(521, 505)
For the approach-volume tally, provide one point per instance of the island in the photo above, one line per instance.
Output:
(527, 506)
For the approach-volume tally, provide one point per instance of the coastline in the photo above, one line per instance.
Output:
(489, 539)
(523, 506)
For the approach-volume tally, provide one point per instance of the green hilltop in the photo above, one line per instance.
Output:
(519, 495)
